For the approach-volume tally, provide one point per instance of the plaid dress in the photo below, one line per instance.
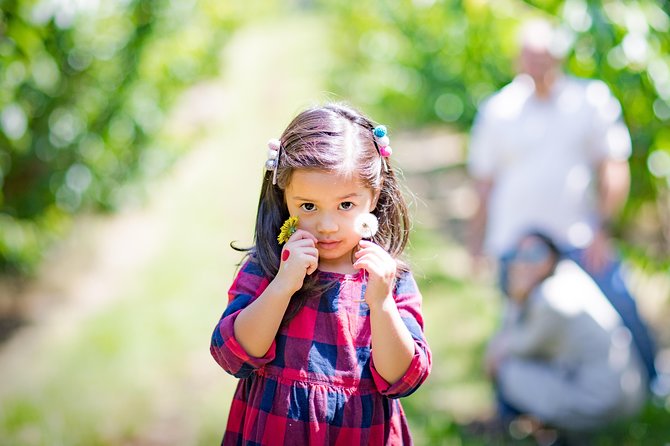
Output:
(317, 384)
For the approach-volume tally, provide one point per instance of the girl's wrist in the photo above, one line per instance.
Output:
(385, 304)
(280, 287)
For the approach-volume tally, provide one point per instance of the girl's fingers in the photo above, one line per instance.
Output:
(365, 258)
(296, 252)
(300, 245)
(366, 247)
(367, 267)
(370, 264)
(364, 244)
(379, 255)
(306, 256)
(376, 266)
(312, 266)
(301, 234)
(313, 254)
(301, 242)
(363, 252)
(367, 243)
(297, 247)
(311, 251)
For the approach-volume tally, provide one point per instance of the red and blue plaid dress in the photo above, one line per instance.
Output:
(317, 384)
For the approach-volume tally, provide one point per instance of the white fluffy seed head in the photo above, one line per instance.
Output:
(366, 225)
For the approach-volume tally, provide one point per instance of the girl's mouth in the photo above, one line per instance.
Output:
(328, 244)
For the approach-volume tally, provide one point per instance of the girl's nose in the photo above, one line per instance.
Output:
(327, 224)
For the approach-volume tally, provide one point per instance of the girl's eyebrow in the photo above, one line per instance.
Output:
(344, 197)
(296, 197)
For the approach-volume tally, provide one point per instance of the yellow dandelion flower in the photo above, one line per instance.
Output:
(287, 229)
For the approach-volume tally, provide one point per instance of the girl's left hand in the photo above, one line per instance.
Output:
(381, 268)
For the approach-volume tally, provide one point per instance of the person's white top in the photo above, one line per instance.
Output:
(542, 156)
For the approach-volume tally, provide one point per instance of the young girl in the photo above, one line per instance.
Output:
(325, 331)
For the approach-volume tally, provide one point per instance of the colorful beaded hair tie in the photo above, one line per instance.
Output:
(382, 142)
(274, 147)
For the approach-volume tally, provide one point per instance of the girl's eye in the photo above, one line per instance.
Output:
(346, 205)
(309, 207)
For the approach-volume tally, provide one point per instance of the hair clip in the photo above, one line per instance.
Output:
(274, 146)
(382, 142)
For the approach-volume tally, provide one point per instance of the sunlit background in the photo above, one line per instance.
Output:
(132, 140)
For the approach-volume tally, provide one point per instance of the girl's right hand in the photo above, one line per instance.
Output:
(298, 258)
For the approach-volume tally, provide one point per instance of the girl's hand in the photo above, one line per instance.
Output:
(381, 268)
(298, 258)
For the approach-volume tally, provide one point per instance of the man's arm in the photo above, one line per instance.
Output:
(479, 220)
(613, 187)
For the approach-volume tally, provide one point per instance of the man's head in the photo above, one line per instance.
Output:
(541, 54)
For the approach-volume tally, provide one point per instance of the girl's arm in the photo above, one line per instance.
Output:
(259, 304)
(256, 326)
(401, 358)
(393, 345)
(225, 349)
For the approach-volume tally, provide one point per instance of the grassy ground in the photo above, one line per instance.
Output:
(134, 368)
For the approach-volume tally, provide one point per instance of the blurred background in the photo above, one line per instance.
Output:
(132, 140)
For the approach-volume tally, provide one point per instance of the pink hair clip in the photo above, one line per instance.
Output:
(274, 147)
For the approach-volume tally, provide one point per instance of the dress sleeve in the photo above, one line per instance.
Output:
(408, 300)
(226, 350)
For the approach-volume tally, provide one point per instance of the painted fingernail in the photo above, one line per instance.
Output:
(285, 255)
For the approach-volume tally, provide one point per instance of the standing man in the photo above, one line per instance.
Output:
(549, 152)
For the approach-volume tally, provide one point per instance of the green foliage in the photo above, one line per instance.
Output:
(413, 63)
(83, 93)
(419, 62)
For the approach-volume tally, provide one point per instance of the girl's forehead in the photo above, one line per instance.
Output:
(322, 182)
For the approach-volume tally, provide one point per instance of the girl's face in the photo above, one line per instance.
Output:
(327, 205)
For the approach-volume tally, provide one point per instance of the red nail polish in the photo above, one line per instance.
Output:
(285, 255)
